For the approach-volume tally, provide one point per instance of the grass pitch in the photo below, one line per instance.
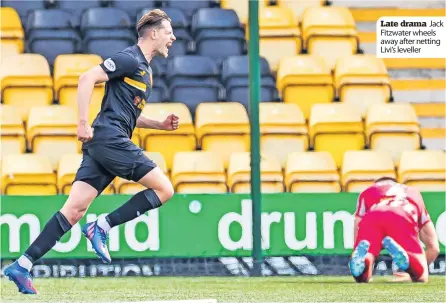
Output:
(271, 289)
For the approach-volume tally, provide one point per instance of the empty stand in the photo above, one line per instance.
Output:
(67, 70)
(235, 77)
(133, 8)
(362, 168)
(106, 31)
(283, 130)
(77, 8)
(28, 174)
(11, 28)
(329, 32)
(123, 186)
(168, 143)
(362, 80)
(198, 172)
(240, 7)
(52, 131)
(279, 34)
(188, 7)
(26, 81)
(424, 169)
(298, 6)
(336, 128)
(305, 80)
(12, 131)
(222, 128)
(8, 50)
(311, 172)
(239, 174)
(193, 80)
(393, 128)
(24, 8)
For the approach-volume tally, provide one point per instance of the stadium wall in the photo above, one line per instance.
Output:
(204, 235)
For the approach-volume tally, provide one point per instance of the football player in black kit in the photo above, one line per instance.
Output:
(107, 147)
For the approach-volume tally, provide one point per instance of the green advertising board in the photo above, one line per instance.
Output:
(203, 225)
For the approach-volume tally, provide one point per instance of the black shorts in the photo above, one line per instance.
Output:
(101, 163)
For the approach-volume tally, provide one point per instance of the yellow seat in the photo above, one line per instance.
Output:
(168, 143)
(393, 128)
(279, 34)
(336, 128)
(311, 172)
(12, 131)
(362, 168)
(28, 174)
(298, 6)
(11, 28)
(67, 69)
(52, 131)
(283, 130)
(26, 81)
(240, 7)
(8, 50)
(124, 186)
(305, 80)
(424, 169)
(222, 128)
(329, 32)
(198, 172)
(239, 174)
(362, 80)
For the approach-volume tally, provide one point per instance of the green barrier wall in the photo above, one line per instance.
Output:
(204, 225)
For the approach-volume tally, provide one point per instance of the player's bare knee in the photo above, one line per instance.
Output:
(166, 193)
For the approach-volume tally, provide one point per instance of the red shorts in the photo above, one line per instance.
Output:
(374, 226)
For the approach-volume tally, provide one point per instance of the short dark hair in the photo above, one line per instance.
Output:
(385, 179)
(151, 19)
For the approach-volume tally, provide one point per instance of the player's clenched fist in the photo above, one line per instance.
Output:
(171, 123)
(84, 131)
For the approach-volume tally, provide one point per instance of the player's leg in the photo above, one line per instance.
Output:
(80, 198)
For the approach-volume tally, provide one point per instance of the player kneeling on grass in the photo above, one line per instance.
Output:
(109, 152)
(393, 216)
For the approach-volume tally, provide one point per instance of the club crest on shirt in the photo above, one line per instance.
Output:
(139, 103)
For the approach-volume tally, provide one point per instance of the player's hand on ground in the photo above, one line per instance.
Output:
(84, 131)
(171, 123)
(401, 277)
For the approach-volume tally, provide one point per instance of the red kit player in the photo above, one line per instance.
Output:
(393, 216)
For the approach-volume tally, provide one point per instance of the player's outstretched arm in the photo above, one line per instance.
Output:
(171, 123)
(429, 237)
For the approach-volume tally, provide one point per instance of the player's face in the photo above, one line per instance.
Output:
(165, 39)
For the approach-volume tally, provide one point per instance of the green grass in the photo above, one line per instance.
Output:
(275, 289)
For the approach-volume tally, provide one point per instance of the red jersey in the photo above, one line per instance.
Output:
(398, 198)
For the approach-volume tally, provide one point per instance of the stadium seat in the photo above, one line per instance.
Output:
(77, 8)
(305, 80)
(168, 143)
(239, 174)
(106, 31)
(189, 7)
(432, 117)
(362, 80)
(123, 186)
(222, 128)
(11, 28)
(26, 82)
(361, 168)
(52, 131)
(312, 172)
(424, 169)
(198, 172)
(8, 50)
(50, 33)
(159, 67)
(336, 128)
(329, 32)
(218, 33)
(28, 174)
(235, 77)
(180, 24)
(279, 34)
(159, 91)
(133, 8)
(12, 131)
(240, 7)
(24, 8)
(393, 128)
(193, 80)
(67, 69)
(298, 6)
(283, 130)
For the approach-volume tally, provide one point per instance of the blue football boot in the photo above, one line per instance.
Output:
(98, 238)
(357, 261)
(21, 277)
(398, 254)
